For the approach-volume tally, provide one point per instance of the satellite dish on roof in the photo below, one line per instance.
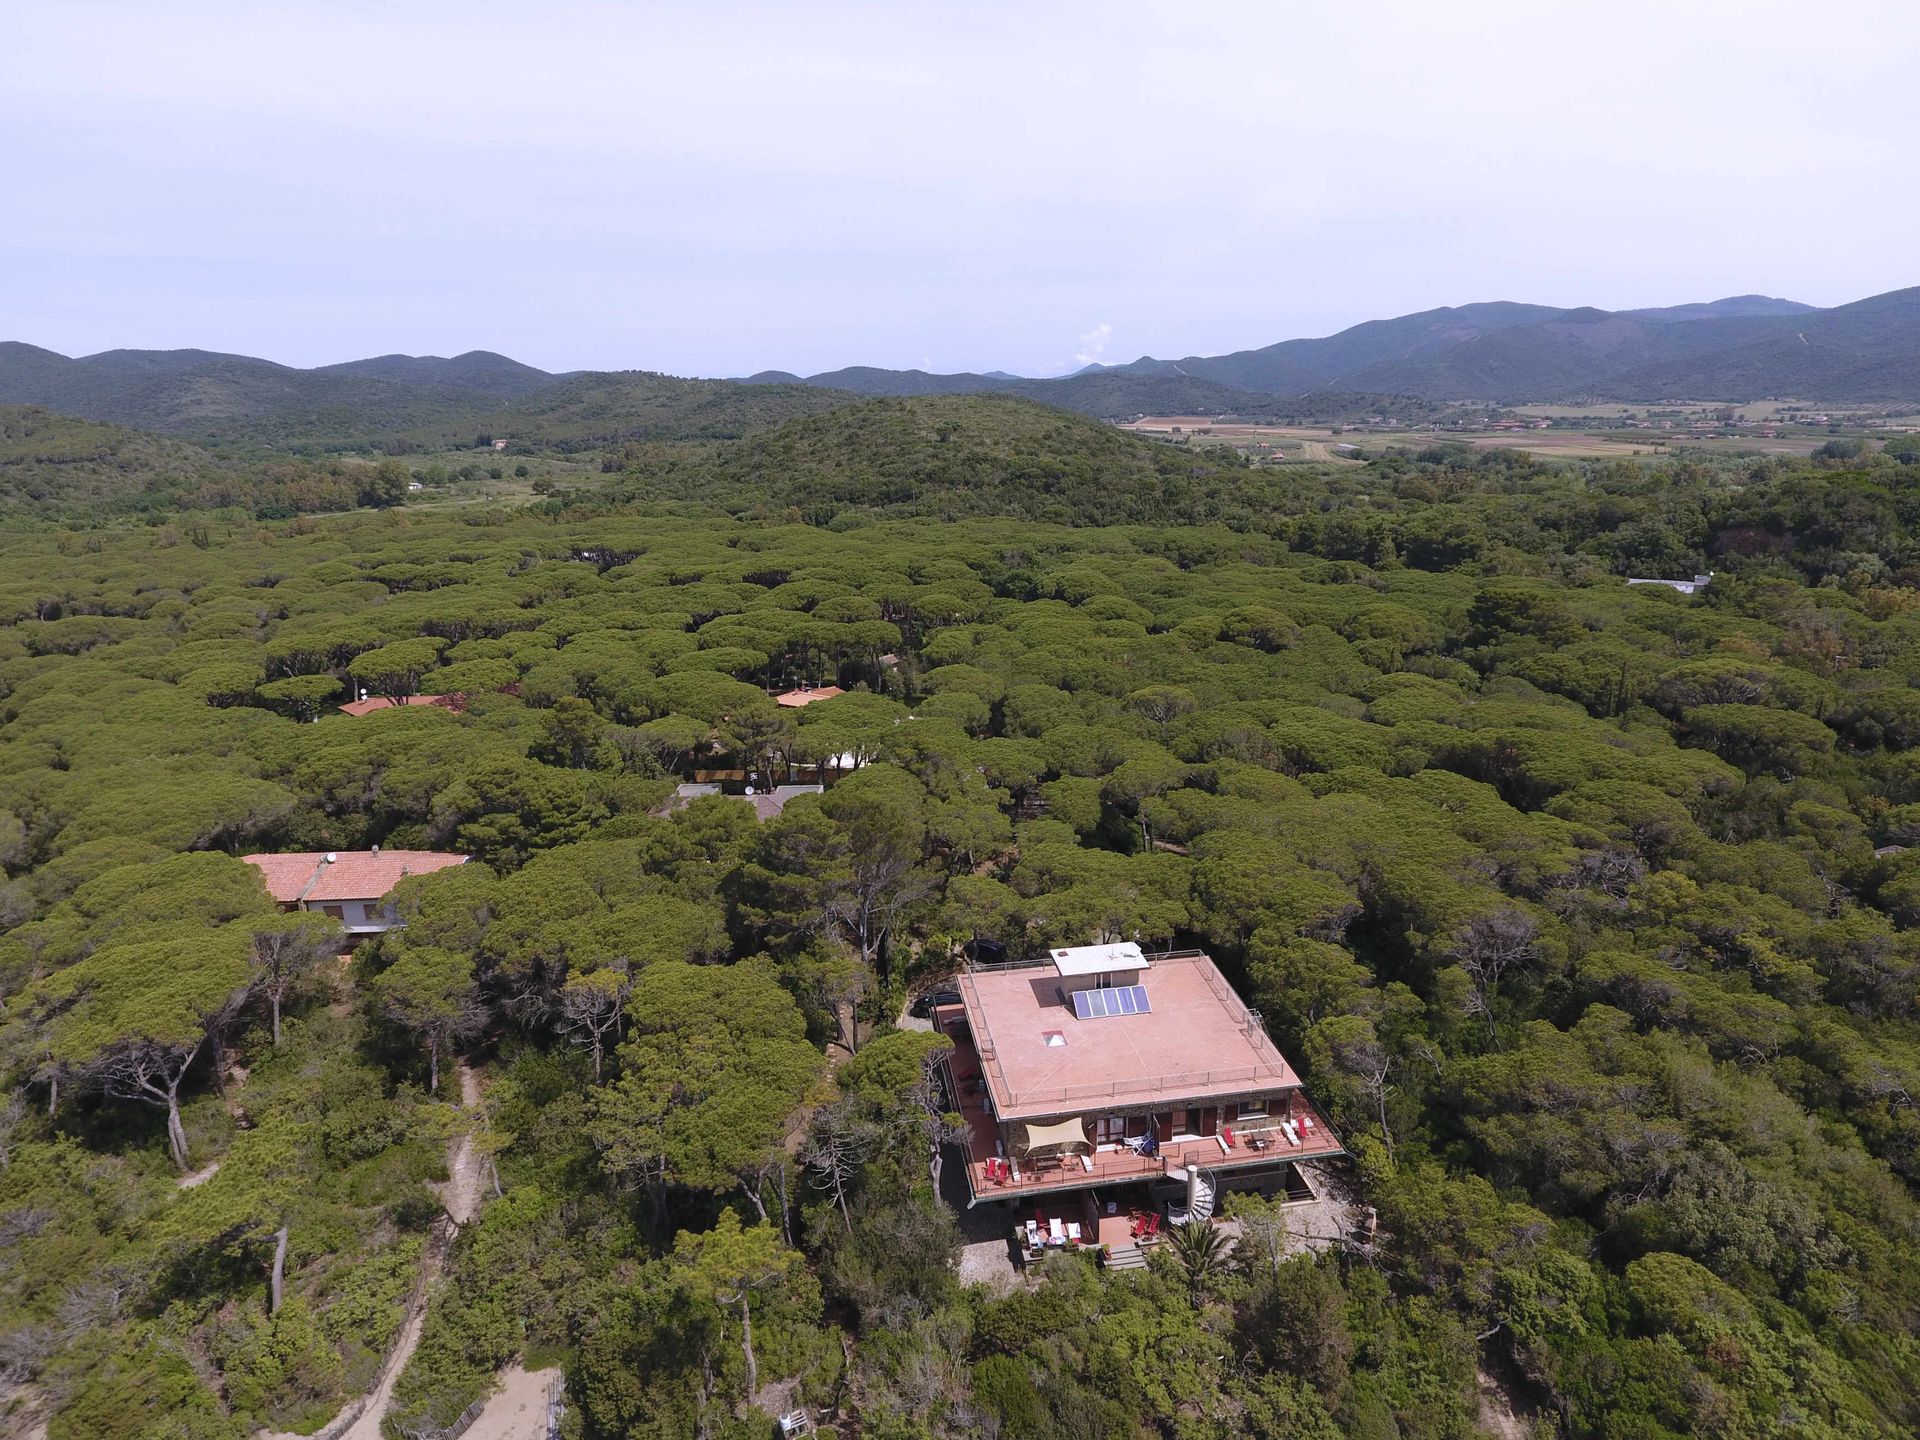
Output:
(332, 857)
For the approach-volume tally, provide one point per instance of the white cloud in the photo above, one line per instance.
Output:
(1093, 344)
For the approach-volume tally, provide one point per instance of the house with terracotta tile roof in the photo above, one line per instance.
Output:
(806, 695)
(1104, 1082)
(350, 885)
(367, 704)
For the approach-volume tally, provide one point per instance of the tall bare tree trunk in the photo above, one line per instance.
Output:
(279, 1270)
(752, 1189)
(176, 1132)
(746, 1344)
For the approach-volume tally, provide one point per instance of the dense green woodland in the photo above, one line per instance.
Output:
(1586, 909)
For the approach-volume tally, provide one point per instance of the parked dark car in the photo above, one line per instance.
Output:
(924, 1003)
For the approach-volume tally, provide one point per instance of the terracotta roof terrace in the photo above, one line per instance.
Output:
(1039, 1059)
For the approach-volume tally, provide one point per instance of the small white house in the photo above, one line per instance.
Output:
(1685, 587)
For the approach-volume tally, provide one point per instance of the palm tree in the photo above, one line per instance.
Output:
(1202, 1253)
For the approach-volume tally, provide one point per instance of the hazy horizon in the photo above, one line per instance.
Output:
(739, 188)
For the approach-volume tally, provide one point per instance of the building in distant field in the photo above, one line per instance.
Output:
(350, 885)
(367, 704)
(806, 695)
(1685, 587)
(499, 444)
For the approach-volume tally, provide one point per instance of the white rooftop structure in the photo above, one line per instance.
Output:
(1685, 587)
(1098, 959)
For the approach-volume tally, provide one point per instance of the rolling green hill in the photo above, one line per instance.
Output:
(223, 399)
(954, 456)
(208, 396)
(56, 464)
(597, 408)
(478, 371)
(1105, 394)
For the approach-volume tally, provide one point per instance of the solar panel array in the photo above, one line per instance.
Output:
(1120, 1000)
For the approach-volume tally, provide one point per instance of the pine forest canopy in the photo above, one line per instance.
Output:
(1587, 912)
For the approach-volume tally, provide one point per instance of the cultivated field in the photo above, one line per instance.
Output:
(1305, 443)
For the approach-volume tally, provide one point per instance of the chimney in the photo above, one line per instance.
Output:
(376, 849)
(331, 858)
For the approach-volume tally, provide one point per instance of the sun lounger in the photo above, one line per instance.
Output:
(1073, 1231)
(1293, 1135)
(1226, 1145)
(1057, 1230)
(1086, 1162)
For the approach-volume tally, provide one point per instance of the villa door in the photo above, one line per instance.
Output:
(1110, 1130)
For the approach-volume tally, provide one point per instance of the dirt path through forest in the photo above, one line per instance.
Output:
(460, 1194)
(517, 1410)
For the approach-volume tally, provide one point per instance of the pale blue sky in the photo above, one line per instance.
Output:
(719, 188)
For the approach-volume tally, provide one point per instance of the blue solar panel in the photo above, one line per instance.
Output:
(1118, 1000)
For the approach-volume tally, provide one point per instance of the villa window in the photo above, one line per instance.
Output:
(1252, 1110)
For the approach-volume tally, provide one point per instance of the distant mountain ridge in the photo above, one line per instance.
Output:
(215, 397)
(1498, 351)
(1738, 349)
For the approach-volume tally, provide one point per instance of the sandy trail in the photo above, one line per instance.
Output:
(517, 1410)
(460, 1194)
(198, 1177)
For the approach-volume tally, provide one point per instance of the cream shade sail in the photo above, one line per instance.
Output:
(1058, 1135)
